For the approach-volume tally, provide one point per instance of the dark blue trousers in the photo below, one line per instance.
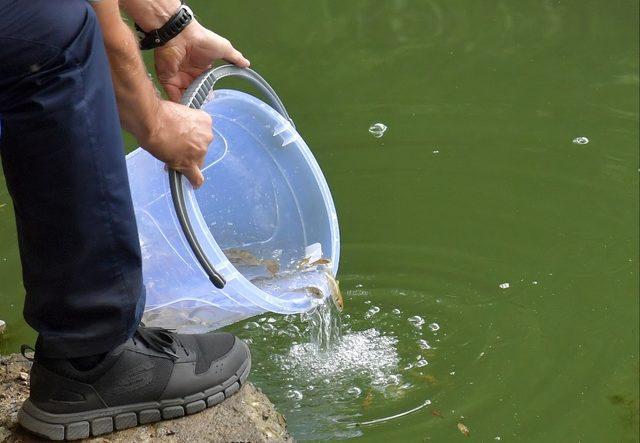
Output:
(63, 160)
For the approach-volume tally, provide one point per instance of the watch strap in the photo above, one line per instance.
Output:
(173, 27)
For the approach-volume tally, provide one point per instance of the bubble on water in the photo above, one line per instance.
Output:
(436, 151)
(268, 327)
(271, 320)
(355, 391)
(534, 282)
(294, 394)
(422, 363)
(251, 325)
(416, 321)
(434, 327)
(396, 311)
(504, 285)
(580, 140)
(378, 129)
(276, 254)
(424, 344)
(394, 379)
(371, 312)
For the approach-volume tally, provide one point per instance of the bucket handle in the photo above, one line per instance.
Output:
(194, 97)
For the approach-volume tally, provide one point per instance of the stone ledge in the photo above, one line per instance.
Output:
(248, 416)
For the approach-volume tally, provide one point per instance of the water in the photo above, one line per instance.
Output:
(500, 90)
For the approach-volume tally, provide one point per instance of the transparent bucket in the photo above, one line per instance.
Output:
(264, 207)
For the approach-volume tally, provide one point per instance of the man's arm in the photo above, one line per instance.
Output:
(173, 133)
(185, 56)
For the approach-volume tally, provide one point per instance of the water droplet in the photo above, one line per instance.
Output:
(580, 140)
(354, 390)
(268, 327)
(424, 344)
(378, 129)
(421, 363)
(534, 282)
(271, 320)
(396, 311)
(504, 285)
(434, 327)
(436, 152)
(416, 321)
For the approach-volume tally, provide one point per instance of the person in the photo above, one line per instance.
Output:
(71, 76)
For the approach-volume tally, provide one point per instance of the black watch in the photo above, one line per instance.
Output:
(160, 36)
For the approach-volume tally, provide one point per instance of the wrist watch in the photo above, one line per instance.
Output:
(173, 27)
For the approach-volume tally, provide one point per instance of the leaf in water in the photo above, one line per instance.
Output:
(462, 428)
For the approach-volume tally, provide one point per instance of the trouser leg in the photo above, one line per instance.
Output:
(63, 159)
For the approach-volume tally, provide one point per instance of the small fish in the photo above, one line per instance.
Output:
(462, 428)
(314, 291)
(336, 294)
(322, 261)
(427, 377)
(272, 266)
(368, 399)
(241, 257)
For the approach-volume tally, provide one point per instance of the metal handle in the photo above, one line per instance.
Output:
(194, 97)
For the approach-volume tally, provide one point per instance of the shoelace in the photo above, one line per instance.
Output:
(159, 339)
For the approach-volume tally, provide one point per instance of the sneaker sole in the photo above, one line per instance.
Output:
(104, 421)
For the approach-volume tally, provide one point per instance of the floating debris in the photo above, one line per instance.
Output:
(378, 129)
(437, 413)
(462, 428)
(504, 285)
(580, 140)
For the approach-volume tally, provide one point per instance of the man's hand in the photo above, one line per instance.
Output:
(181, 139)
(189, 54)
(173, 133)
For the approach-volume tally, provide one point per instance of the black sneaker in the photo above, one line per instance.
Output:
(156, 375)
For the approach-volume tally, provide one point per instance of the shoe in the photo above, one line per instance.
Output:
(156, 375)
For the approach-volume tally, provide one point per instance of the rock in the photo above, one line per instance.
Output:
(248, 416)
(3, 327)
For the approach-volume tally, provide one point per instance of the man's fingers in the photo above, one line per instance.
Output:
(234, 56)
(173, 92)
(195, 177)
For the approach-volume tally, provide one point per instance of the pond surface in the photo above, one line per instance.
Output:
(500, 205)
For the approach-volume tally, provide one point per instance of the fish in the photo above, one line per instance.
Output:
(462, 428)
(242, 257)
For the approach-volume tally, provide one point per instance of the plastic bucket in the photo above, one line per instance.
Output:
(263, 208)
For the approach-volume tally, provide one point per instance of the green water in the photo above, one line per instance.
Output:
(476, 183)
